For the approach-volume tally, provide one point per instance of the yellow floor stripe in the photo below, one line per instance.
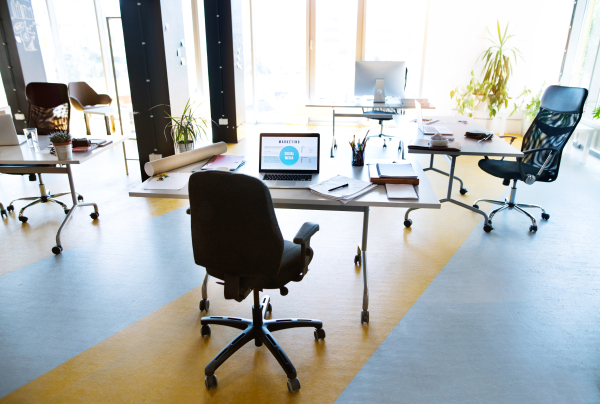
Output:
(161, 358)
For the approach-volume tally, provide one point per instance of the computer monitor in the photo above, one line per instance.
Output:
(379, 79)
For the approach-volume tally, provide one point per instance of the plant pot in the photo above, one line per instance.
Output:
(64, 151)
(184, 147)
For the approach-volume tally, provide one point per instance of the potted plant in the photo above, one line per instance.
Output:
(496, 72)
(529, 108)
(187, 128)
(62, 145)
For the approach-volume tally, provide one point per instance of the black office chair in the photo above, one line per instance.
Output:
(49, 111)
(560, 111)
(235, 236)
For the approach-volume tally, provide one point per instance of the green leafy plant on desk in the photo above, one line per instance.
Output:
(492, 88)
(596, 113)
(187, 128)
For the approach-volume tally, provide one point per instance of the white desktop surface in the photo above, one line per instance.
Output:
(469, 147)
(23, 154)
(354, 103)
(330, 167)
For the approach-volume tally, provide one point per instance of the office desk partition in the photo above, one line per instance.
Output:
(395, 105)
(304, 199)
(23, 159)
(494, 147)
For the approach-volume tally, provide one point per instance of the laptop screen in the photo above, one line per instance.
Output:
(293, 152)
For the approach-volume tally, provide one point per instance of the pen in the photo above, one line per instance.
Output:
(341, 186)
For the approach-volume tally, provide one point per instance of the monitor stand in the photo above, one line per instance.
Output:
(379, 95)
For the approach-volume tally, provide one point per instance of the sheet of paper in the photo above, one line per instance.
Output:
(443, 130)
(401, 191)
(404, 170)
(174, 181)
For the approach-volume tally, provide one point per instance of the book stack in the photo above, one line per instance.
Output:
(396, 173)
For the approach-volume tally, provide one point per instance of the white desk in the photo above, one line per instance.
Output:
(23, 159)
(495, 147)
(396, 105)
(304, 199)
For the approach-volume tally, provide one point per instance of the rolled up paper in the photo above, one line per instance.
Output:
(183, 159)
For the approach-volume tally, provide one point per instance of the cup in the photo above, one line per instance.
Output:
(358, 157)
(32, 137)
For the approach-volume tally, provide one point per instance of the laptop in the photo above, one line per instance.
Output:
(8, 134)
(289, 160)
(429, 129)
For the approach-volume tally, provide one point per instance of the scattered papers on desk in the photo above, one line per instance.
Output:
(354, 189)
(400, 170)
(401, 191)
(221, 162)
(174, 181)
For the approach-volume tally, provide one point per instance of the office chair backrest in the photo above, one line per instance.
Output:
(561, 109)
(84, 94)
(234, 228)
(49, 107)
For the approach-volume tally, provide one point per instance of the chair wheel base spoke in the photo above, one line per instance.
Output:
(204, 304)
(293, 385)
(210, 382)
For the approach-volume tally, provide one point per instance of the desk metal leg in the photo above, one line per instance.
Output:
(125, 157)
(361, 259)
(437, 170)
(487, 225)
(57, 249)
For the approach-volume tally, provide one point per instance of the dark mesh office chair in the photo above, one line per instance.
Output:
(49, 111)
(560, 112)
(235, 236)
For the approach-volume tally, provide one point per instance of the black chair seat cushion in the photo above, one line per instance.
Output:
(292, 266)
(509, 169)
(391, 115)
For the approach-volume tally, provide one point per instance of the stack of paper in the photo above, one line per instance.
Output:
(401, 191)
(342, 188)
(404, 170)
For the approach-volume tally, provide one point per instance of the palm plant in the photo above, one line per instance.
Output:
(187, 128)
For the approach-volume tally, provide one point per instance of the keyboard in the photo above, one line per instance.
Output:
(287, 177)
(430, 129)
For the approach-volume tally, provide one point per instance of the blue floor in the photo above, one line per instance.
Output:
(36, 337)
(514, 317)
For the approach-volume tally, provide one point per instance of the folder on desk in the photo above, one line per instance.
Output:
(377, 179)
(423, 144)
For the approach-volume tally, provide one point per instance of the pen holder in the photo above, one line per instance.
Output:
(358, 157)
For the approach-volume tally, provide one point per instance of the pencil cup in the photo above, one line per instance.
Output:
(358, 157)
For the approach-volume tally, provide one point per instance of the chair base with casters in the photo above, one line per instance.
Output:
(384, 136)
(260, 331)
(511, 204)
(45, 196)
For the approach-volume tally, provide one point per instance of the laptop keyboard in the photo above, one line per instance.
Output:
(430, 129)
(287, 177)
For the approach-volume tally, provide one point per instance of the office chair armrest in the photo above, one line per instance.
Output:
(530, 178)
(104, 99)
(76, 104)
(305, 233)
(511, 137)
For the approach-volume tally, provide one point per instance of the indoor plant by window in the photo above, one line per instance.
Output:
(62, 145)
(529, 108)
(496, 73)
(187, 128)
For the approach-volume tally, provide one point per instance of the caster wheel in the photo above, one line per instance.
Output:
(487, 228)
(407, 222)
(463, 191)
(204, 304)
(67, 211)
(283, 291)
(319, 334)
(23, 218)
(269, 308)
(80, 198)
(3, 213)
(56, 249)
(357, 260)
(545, 216)
(10, 208)
(476, 206)
(210, 382)
(293, 385)
(385, 146)
(205, 330)
(364, 316)
(94, 215)
(188, 211)
(533, 228)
